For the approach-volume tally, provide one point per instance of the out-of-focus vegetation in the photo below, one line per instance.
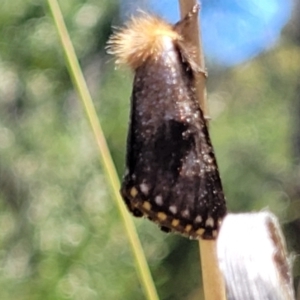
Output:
(61, 236)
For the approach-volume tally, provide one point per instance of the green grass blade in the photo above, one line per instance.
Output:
(106, 160)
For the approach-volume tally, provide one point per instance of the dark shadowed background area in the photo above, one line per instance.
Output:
(61, 235)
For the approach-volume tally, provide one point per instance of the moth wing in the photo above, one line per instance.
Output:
(172, 176)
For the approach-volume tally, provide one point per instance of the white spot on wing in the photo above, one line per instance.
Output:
(198, 219)
(209, 222)
(144, 188)
(185, 213)
(173, 209)
(158, 200)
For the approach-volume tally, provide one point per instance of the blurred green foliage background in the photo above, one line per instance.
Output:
(61, 235)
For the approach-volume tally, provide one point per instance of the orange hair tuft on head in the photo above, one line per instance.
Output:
(142, 38)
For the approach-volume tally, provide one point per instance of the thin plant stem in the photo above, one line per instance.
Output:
(193, 34)
(213, 282)
(105, 157)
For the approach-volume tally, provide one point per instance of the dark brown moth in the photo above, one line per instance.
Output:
(172, 176)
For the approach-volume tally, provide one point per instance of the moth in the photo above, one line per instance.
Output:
(171, 176)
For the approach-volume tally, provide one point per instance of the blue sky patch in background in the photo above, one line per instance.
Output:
(233, 31)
